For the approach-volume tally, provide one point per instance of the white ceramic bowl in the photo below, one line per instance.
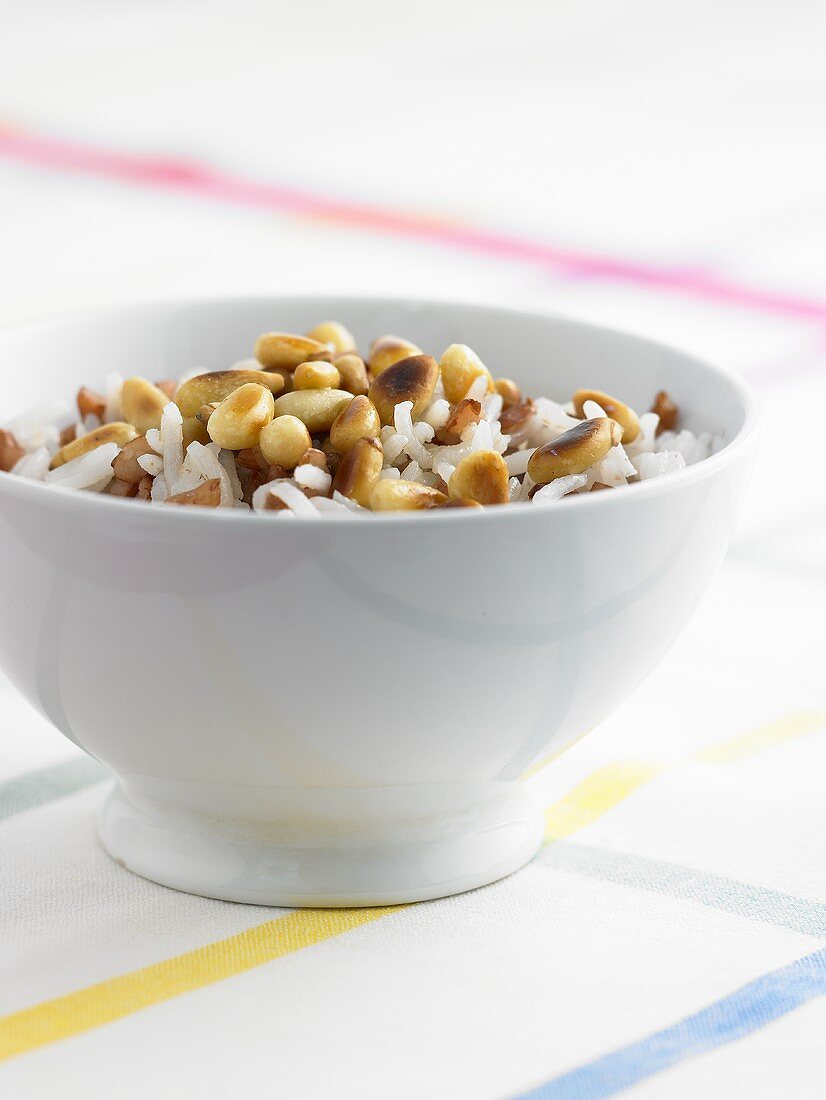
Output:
(341, 712)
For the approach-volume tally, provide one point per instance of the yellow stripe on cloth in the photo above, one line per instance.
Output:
(764, 737)
(596, 795)
(612, 784)
(111, 1000)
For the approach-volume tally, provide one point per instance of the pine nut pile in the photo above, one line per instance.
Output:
(308, 427)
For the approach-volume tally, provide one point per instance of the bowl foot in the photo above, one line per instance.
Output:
(285, 864)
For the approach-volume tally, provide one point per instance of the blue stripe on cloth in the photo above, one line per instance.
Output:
(684, 883)
(25, 792)
(746, 1010)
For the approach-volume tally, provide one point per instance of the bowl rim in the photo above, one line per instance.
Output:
(705, 469)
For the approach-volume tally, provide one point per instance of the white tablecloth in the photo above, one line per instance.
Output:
(659, 167)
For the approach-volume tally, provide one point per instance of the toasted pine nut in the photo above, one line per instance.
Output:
(10, 450)
(142, 403)
(358, 420)
(399, 495)
(286, 350)
(239, 419)
(205, 412)
(284, 440)
(411, 379)
(462, 415)
(459, 502)
(316, 408)
(624, 416)
(460, 367)
(666, 410)
(169, 387)
(314, 457)
(195, 431)
(515, 417)
(332, 455)
(575, 450)
(252, 458)
(387, 350)
(118, 432)
(145, 488)
(205, 389)
(207, 495)
(90, 403)
(359, 471)
(508, 391)
(316, 376)
(353, 373)
(286, 377)
(125, 463)
(335, 336)
(481, 476)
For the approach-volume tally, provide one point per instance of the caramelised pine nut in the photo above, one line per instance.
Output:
(314, 457)
(358, 420)
(117, 488)
(412, 379)
(516, 417)
(462, 415)
(460, 367)
(316, 408)
(460, 502)
(284, 440)
(117, 432)
(195, 431)
(286, 377)
(508, 391)
(90, 403)
(169, 387)
(387, 350)
(252, 458)
(142, 404)
(358, 472)
(353, 373)
(205, 412)
(481, 476)
(667, 411)
(207, 495)
(205, 389)
(575, 450)
(287, 349)
(125, 463)
(399, 495)
(240, 418)
(316, 376)
(332, 333)
(10, 450)
(624, 416)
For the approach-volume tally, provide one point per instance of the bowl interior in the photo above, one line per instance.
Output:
(545, 355)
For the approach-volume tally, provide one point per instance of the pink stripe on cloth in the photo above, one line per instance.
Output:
(194, 178)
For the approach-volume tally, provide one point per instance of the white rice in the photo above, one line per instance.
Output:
(558, 488)
(90, 471)
(308, 476)
(152, 464)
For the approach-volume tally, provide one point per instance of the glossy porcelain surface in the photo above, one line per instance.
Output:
(340, 712)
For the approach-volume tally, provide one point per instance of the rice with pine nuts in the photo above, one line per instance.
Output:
(308, 428)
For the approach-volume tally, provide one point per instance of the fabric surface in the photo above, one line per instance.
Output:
(657, 167)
